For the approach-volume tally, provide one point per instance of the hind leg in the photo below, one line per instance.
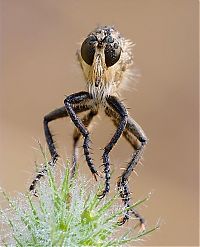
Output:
(134, 134)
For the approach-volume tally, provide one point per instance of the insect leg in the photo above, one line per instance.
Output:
(56, 114)
(76, 136)
(79, 98)
(132, 131)
(132, 139)
(118, 107)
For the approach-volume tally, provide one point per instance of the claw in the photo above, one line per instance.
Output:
(122, 220)
(142, 227)
(102, 195)
(33, 191)
(95, 174)
(35, 194)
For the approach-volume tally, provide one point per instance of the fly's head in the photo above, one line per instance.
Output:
(104, 56)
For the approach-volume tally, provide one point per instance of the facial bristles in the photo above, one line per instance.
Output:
(105, 58)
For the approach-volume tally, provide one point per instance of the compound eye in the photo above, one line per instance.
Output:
(112, 53)
(88, 49)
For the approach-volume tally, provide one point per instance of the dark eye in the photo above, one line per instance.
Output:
(112, 53)
(109, 39)
(88, 49)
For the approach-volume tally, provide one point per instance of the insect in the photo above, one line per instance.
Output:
(105, 58)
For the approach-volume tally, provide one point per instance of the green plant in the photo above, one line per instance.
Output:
(67, 212)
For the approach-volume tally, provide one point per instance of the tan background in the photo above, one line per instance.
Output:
(39, 67)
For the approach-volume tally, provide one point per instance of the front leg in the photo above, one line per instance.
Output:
(87, 119)
(79, 99)
(120, 109)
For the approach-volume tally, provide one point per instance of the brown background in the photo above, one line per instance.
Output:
(39, 67)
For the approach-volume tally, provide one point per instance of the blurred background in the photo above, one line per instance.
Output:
(39, 68)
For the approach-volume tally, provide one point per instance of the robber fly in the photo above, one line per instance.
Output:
(105, 58)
